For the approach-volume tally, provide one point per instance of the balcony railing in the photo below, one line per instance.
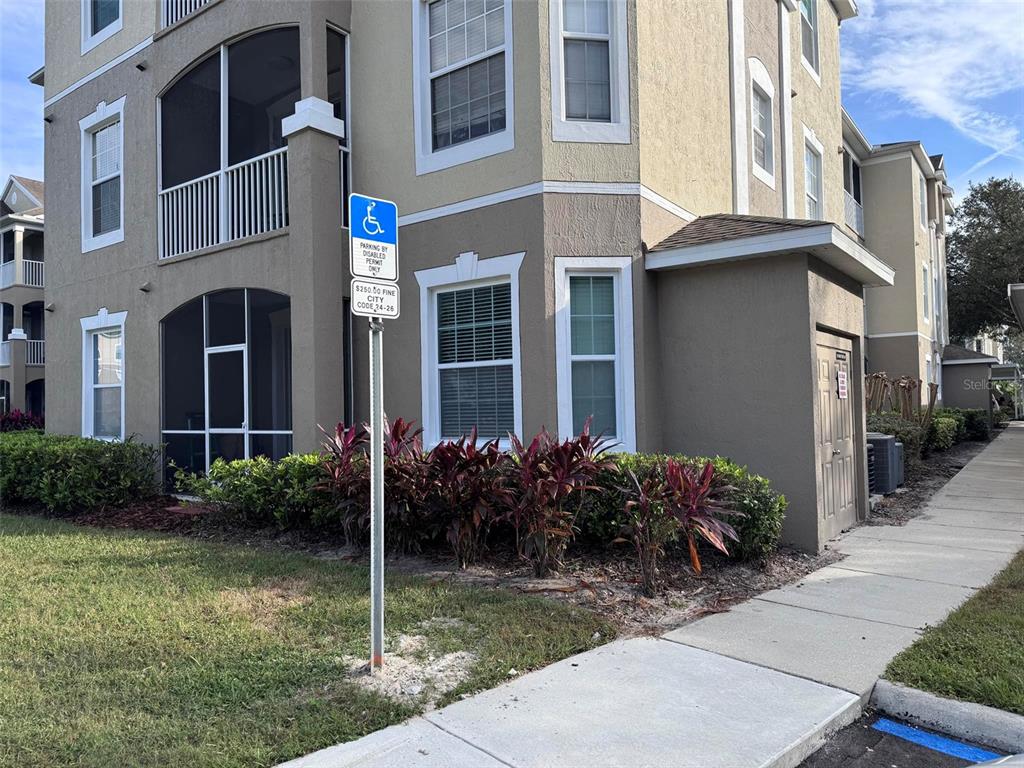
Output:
(7, 274)
(854, 214)
(5, 353)
(35, 352)
(34, 273)
(246, 199)
(172, 11)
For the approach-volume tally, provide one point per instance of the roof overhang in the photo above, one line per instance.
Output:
(853, 136)
(38, 77)
(1015, 293)
(846, 9)
(973, 361)
(17, 219)
(826, 242)
(1005, 372)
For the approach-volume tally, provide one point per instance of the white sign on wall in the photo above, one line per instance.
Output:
(843, 387)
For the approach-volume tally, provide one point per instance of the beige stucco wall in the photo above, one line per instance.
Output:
(967, 386)
(685, 133)
(761, 40)
(817, 106)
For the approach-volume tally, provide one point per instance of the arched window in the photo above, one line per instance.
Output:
(227, 378)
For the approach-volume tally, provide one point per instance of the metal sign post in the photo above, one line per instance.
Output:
(373, 261)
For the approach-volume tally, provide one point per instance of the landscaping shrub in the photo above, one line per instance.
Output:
(942, 432)
(975, 422)
(75, 474)
(347, 481)
(907, 432)
(958, 416)
(16, 420)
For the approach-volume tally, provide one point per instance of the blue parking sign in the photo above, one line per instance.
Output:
(373, 237)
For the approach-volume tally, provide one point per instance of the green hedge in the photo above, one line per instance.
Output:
(975, 422)
(603, 516)
(942, 433)
(75, 474)
(907, 432)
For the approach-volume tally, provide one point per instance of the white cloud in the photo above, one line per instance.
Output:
(950, 60)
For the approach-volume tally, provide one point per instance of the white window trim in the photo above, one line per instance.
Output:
(812, 140)
(469, 270)
(88, 125)
(926, 290)
(922, 204)
(619, 267)
(762, 81)
(89, 40)
(810, 66)
(427, 160)
(101, 321)
(617, 131)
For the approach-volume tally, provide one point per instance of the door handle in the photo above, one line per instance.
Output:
(835, 452)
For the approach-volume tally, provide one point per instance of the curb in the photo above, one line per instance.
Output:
(811, 741)
(964, 720)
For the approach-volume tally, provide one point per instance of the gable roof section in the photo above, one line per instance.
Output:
(729, 226)
(32, 191)
(954, 354)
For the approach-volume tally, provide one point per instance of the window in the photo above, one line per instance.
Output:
(762, 129)
(851, 176)
(227, 378)
(809, 35)
(924, 291)
(103, 375)
(102, 150)
(589, 71)
(100, 20)
(463, 66)
(812, 178)
(922, 201)
(337, 95)
(594, 344)
(469, 323)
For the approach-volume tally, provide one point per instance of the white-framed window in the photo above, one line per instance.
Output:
(762, 122)
(100, 20)
(103, 375)
(589, 71)
(809, 36)
(469, 348)
(813, 184)
(922, 201)
(929, 375)
(102, 149)
(851, 175)
(924, 292)
(594, 347)
(462, 81)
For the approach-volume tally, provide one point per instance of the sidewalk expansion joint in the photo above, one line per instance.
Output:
(932, 544)
(477, 747)
(908, 578)
(841, 615)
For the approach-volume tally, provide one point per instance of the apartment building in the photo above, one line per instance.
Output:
(610, 209)
(897, 200)
(22, 318)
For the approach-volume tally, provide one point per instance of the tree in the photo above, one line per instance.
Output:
(985, 252)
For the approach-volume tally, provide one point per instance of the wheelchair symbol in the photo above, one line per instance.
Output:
(370, 224)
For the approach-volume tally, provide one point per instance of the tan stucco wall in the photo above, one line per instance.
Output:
(818, 107)
(895, 356)
(761, 40)
(967, 386)
(685, 131)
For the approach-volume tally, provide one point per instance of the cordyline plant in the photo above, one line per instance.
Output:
(408, 488)
(470, 489)
(17, 420)
(687, 502)
(347, 478)
(549, 478)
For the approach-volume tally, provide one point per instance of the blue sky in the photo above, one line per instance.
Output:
(947, 72)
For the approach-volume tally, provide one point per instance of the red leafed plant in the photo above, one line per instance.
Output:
(694, 499)
(347, 478)
(469, 489)
(18, 420)
(407, 488)
(650, 526)
(549, 478)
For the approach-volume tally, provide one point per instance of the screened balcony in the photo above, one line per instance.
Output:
(173, 11)
(24, 249)
(223, 160)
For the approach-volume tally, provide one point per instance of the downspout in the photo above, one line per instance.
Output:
(786, 104)
(737, 72)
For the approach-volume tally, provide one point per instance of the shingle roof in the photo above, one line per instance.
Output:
(730, 226)
(956, 352)
(34, 187)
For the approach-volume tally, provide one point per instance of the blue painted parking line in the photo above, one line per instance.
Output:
(934, 741)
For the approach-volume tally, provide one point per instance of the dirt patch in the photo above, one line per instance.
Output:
(264, 604)
(922, 482)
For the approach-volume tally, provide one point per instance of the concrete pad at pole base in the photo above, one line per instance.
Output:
(961, 719)
(992, 521)
(835, 650)
(648, 702)
(871, 596)
(926, 562)
(942, 536)
(414, 744)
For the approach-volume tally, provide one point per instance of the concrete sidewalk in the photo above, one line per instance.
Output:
(761, 685)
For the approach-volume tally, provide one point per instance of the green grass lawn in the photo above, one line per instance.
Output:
(977, 654)
(123, 648)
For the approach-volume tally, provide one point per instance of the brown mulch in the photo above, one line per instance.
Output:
(923, 481)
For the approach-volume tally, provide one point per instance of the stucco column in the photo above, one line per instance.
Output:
(19, 257)
(19, 344)
(318, 255)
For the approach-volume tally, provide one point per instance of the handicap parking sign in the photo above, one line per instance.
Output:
(373, 238)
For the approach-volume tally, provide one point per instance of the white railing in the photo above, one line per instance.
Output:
(34, 273)
(35, 352)
(5, 353)
(854, 214)
(258, 195)
(173, 11)
(247, 199)
(7, 274)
